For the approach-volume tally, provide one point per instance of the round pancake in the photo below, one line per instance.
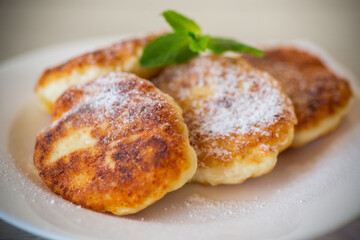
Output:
(238, 117)
(117, 144)
(320, 97)
(120, 57)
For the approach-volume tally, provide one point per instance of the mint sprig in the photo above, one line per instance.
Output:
(168, 49)
(181, 24)
(186, 42)
(219, 45)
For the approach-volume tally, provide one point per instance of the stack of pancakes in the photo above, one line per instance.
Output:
(118, 142)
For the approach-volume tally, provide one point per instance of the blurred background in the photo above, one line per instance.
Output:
(332, 24)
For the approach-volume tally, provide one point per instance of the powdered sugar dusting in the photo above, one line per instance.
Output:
(118, 97)
(214, 209)
(221, 98)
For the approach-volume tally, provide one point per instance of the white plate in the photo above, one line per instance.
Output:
(312, 190)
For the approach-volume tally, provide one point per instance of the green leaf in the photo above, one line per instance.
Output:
(199, 44)
(180, 23)
(220, 45)
(168, 49)
(186, 42)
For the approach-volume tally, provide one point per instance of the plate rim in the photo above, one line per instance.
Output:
(28, 227)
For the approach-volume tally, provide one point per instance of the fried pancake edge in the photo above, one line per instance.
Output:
(240, 167)
(322, 128)
(181, 133)
(119, 57)
(328, 114)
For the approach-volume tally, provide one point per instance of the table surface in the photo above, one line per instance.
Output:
(351, 231)
(331, 24)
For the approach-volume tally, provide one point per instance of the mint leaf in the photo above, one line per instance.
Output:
(180, 23)
(184, 54)
(168, 49)
(186, 42)
(199, 44)
(220, 45)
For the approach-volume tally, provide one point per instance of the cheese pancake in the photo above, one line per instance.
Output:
(116, 144)
(238, 117)
(120, 57)
(320, 97)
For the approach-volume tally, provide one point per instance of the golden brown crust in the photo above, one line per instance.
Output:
(120, 57)
(237, 116)
(115, 55)
(316, 92)
(242, 146)
(136, 147)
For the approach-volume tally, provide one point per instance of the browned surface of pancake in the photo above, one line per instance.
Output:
(117, 144)
(238, 117)
(316, 92)
(115, 55)
(120, 57)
